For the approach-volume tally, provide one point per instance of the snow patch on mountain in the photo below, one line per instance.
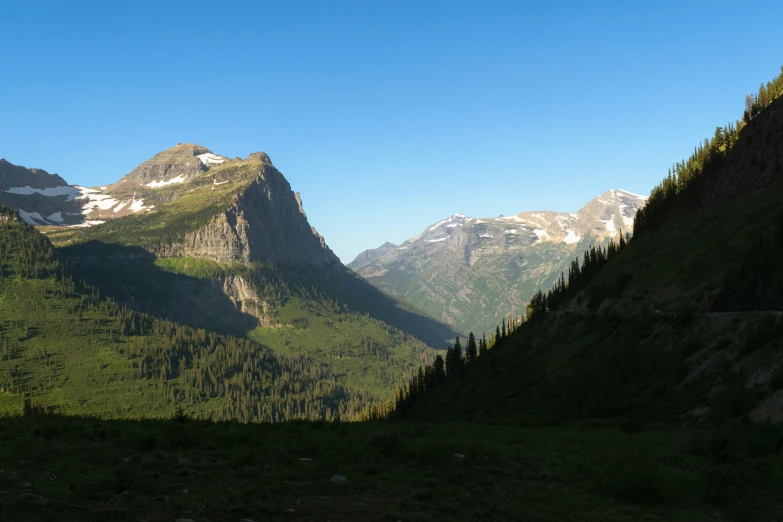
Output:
(571, 238)
(97, 202)
(67, 190)
(455, 220)
(637, 196)
(89, 223)
(158, 184)
(137, 205)
(542, 235)
(439, 223)
(437, 240)
(610, 225)
(57, 217)
(31, 217)
(209, 159)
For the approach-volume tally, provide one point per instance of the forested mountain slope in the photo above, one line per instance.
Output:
(224, 245)
(682, 324)
(65, 349)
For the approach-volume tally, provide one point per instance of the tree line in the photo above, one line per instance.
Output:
(448, 368)
(687, 180)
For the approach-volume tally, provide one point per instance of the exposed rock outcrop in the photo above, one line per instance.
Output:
(265, 224)
(16, 176)
(247, 301)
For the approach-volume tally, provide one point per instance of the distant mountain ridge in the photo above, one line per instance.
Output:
(371, 255)
(470, 272)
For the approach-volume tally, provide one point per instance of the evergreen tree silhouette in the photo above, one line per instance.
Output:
(472, 351)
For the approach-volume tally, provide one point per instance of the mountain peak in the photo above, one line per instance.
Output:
(179, 153)
(174, 165)
(262, 156)
(609, 195)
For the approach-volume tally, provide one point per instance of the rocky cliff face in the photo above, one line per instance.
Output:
(264, 224)
(470, 271)
(15, 176)
(247, 301)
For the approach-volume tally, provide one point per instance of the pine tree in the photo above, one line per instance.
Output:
(450, 365)
(440, 370)
(472, 352)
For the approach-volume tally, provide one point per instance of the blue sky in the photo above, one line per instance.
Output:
(386, 116)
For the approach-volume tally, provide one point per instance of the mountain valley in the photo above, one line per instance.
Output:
(183, 345)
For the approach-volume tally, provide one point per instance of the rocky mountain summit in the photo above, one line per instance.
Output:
(174, 165)
(470, 271)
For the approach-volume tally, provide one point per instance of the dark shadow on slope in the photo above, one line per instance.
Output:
(362, 295)
(129, 276)
(352, 292)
